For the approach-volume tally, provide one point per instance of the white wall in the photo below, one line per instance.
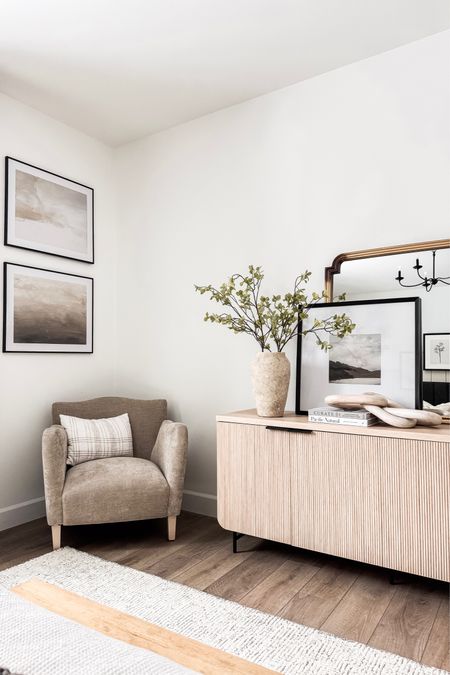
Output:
(29, 383)
(355, 158)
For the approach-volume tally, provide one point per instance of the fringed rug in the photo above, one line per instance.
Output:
(264, 639)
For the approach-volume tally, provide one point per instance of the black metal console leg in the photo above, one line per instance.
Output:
(399, 578)
(236, 536)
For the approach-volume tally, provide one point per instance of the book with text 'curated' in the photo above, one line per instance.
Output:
(331, 411)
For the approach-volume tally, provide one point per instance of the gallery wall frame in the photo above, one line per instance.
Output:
(434, 359)
(48, 213)
(47, 311)
(313, 379)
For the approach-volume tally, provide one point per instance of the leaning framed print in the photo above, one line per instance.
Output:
(382, 355)
(48, 213)
(46, 311)
(436, 351)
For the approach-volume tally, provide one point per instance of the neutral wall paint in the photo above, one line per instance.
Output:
(355, 158)
(29, 383)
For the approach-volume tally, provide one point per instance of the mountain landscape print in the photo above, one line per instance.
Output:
(355, 359)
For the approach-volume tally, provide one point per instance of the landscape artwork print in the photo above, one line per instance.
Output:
(355, 359)
(48, 213)
(47, 311)
(381, 354)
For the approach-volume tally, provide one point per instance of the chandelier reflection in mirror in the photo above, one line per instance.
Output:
(427, 282)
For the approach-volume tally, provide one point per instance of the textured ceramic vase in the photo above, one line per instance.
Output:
(271, 372)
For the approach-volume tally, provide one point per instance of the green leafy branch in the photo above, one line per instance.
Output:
(272, 321)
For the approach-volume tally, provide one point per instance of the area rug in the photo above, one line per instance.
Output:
(270, 641)
(34, 641)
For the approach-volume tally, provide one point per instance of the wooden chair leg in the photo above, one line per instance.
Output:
(56, 536)
(171, 527)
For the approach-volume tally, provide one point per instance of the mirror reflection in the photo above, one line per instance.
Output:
(411, 275)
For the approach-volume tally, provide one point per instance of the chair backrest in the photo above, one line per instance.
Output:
(146, 417)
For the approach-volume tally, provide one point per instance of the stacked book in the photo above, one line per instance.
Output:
(332, 415)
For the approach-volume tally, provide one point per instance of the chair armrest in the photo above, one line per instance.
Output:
(54, 457)
(170, 454)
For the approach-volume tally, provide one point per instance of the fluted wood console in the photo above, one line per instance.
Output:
(377, 494)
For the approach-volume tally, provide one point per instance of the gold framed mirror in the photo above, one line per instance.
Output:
(335, 267)
(400, 271)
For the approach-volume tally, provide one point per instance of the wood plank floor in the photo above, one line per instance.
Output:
(345, 598)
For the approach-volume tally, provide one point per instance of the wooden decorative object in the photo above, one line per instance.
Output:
(335, 267)
(426, 418)
(390, 419)
(356, 400)
(386, 410)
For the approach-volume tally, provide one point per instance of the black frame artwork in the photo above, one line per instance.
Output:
(9, 236)
(9, 318)
(425, 336)
(338, 307)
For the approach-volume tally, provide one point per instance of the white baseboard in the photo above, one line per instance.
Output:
(200, 502)
(17, 514)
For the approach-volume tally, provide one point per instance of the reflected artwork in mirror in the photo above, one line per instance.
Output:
(424, 271)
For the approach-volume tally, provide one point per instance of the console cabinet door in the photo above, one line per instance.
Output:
(254, 480)
(381, 501)
(335, 490)
(272, 484)
(416, 507)
(235, 477)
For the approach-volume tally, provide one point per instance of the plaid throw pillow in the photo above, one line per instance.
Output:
(97, 439)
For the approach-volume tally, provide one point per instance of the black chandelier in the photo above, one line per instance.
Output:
(427, 282)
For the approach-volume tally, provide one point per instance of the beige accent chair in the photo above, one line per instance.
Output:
(116, 489)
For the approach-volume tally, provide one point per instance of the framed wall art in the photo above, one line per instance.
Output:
(48, 213)
(382, 355)
(436, 351)
(46, 311)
